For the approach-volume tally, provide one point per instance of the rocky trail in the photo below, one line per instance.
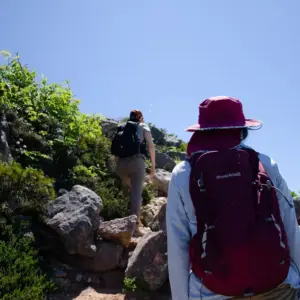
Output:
(92, 294)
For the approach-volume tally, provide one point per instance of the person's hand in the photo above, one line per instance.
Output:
(152, 172)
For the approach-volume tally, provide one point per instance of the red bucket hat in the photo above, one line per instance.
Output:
(222, 112)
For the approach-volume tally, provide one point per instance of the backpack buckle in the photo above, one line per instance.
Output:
(201, 184)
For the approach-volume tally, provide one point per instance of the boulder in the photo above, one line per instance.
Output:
(148, 262)
(158, 136)
(109, 128)
(5, 154)
(113, 279)
(177, 155)
(164, 161)
(162, 138)
(75, 218)
(120, 230)
(107, 257)
(150, 210)
(159, 221)
(172, 140)
(161, 180)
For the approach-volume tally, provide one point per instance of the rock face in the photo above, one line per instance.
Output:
(152, 209)
(159, 220)
(5, 154)
(172, 141)
(161, 138)
(164, 161)
(177, 155)
(120, 230)
(157, 135)
(109, 128)
(75, 217)
(107, 257)
(161, 180)
(148, 263)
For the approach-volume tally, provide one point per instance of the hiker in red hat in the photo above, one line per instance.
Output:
(231, 223)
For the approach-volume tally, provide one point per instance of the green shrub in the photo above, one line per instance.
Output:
(49, 133)
(107, 186)
(149, 192)
(134, 285)
(24, 190)
(21, 276)
(182, 147)
(129, 285)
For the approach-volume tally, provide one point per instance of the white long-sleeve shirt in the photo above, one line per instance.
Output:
(182, 225)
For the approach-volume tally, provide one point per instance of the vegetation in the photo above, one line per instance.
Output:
(54, 146)
(49, 133)
(20, 271)
(22, 192)
(129, 285)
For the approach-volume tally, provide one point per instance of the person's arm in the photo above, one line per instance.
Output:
(151, 149)
(289, 219)
(178, 238)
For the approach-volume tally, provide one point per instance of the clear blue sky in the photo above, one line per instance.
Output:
(165, 56)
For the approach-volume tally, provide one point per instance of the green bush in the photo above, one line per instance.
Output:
(107, 186)
(22, 190)
(149, 192)
(21, 276)
(48, 132)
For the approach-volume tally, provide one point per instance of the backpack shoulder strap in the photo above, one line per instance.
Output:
(254, 161)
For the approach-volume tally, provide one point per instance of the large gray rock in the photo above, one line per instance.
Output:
(172, 140)
(159, 220)
(109, 128)
(161, 181)
(177, 155)
(148, 263)
(162, 138)
(164, 161)
(158, 135)
(75, 218)
(107, 257)
(120, 230)
(150, 210)
(5, 154)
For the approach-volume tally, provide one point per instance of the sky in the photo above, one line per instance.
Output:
(164, 57)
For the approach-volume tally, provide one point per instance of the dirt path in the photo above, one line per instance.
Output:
(91, 294)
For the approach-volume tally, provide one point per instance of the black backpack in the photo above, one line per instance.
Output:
(126, 142)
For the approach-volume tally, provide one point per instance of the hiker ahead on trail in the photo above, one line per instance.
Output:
(130, 146)
(231, 224)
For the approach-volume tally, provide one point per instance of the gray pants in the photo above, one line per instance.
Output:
(132, 172)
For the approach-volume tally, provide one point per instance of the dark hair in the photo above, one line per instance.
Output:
(135, 115)
(244, 134)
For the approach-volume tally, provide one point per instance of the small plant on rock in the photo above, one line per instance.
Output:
(129, 285)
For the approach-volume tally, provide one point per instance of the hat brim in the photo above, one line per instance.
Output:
(251, 124)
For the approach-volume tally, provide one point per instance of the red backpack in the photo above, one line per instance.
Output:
(240, 248)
